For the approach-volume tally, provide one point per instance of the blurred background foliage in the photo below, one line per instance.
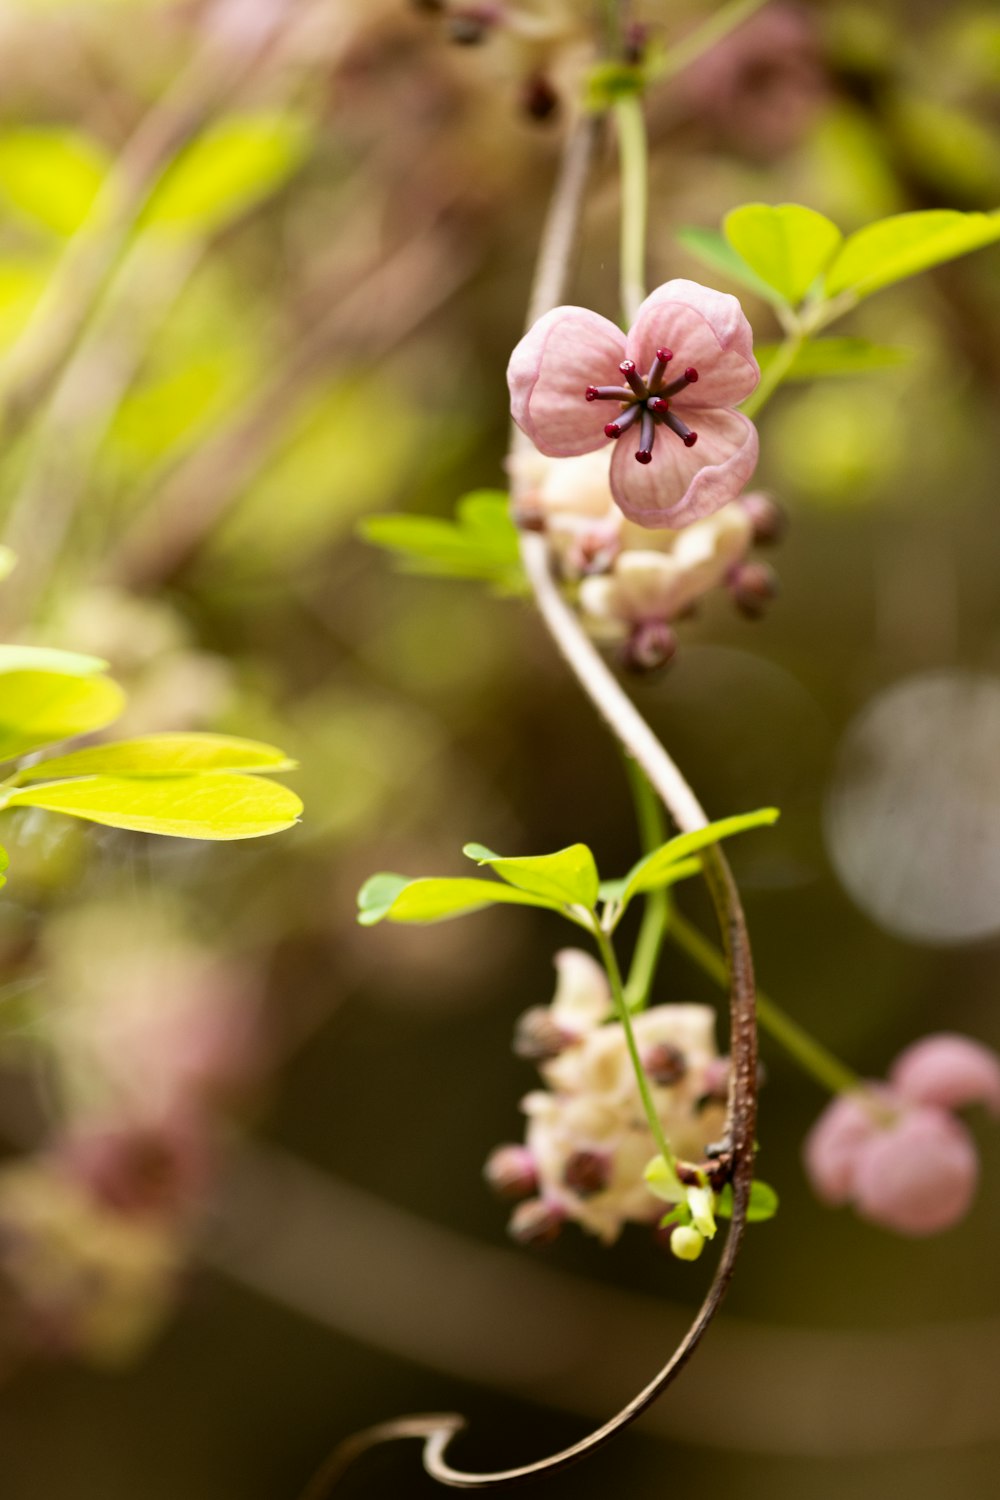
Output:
(261, 266)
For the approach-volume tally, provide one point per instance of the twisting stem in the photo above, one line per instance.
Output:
(811, 1055)
(636, 737)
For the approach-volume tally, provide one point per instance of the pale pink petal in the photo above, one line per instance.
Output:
(919, 1176)
(583, 997)
(703, 328)
(549, 372)
(948, 1070)
(681, 484)
(833, 1147)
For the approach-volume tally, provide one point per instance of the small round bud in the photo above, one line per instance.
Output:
(691, 375)
(686, 1243)
(510, 1172)
(539, 99)
(587, 1172)
(537, 1038)
(768, 519)
(666, 1065)
(753, 586)
(643, 456)
(650, 646)
(536, 1223)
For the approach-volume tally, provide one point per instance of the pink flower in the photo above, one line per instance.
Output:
(896, 1152)
(684, 452)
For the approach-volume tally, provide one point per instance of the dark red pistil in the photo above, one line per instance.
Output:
(646, 402)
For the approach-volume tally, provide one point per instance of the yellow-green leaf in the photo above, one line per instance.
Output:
(822, 359)
(51, 175)
(435, 900)
(905, 244)
(41, 708)
(208, 805)
(235, 164)
(48, 659)
(787, 245)
(163, 755)
(568, 877)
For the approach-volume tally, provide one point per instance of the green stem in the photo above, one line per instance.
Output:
(811, 1055)
(685, 52)
(610, 962)
(774, 374)
(649, 943)
(634, 202)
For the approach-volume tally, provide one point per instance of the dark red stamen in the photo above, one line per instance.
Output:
(647, 437)
(608, 393)
(688, 378)
(690, 374)
(621, 424)
(657, 368)
(658, 405)
(687, 437)
(635, 380)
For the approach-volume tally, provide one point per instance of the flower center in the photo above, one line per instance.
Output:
(646, 402)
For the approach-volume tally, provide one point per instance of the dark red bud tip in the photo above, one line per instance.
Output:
(644, 456)
(690, 374)
(591, 393)
(659, 405)
(612, 430)
(665, 354)
(627, 366)
(690, 440)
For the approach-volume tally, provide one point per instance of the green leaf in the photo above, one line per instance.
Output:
(4, 862)
(763, 1202)
(8, 562)
(821, 359)
(238, 162)
(663, 1182)
(434, 900)
(787, 245)
(163, 755)
(208, 805)
(614, 890)
(376, 896)
(481, 543)
(47, 659)
(51, 175)
(711, 247)
(905, 244)
(568, 877)
(656, 869)
(40, 708)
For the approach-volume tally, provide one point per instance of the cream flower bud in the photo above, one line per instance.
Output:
(686, 1243)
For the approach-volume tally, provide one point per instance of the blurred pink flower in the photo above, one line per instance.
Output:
(896, 1152)
(573, 363)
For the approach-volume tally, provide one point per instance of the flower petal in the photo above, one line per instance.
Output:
(681, 484)
(919, 1176)
(833, 1147)
(703, 328)
(549, 371)
(948, 1070)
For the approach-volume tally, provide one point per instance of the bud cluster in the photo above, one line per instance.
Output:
(587, 1142)
(634, 583)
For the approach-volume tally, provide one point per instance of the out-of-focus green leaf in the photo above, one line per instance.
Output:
(8, 562)
(821, 359)
(480, 543)
(4, 862)
(48, 659)
(40, 708)
(569, 876)
(715, 251)
(236, 163)
(435, 900)
(51, 175)
(210, 805)
(656, 869)
(905, 244)
(763, 1203)
(787, 245)
(163, 755)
